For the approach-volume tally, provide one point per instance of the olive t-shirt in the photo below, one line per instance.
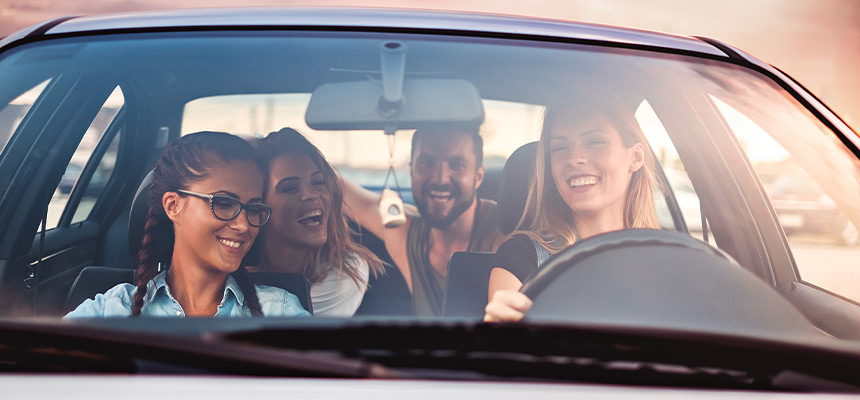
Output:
(428, 286)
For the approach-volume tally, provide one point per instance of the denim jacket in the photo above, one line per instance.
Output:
(158, 302)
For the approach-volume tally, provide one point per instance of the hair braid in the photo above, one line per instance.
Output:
(184, 161)
(243, 278)
(156, 232)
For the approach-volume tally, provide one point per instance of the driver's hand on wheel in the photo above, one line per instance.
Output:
(507, 306)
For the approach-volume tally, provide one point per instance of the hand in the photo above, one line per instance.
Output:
(507, 306)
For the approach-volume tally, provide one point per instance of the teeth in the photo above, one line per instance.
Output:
(230, 243)
(586, 180)
(311, 214)
(436, 193)
(307, 220)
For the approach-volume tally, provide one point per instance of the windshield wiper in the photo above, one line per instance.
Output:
(58, 347)
(589, 354)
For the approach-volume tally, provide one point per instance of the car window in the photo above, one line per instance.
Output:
(93, 185)
(817, 210)
(677, 179)
(177, 83)
(13, 113)
(756, 290)
(359, 155)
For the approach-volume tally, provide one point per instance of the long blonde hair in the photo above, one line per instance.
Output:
(339, 249)
(547, 218)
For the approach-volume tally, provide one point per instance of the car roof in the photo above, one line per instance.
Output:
(357, 18)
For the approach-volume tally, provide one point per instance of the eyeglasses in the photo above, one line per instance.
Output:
(226, 208)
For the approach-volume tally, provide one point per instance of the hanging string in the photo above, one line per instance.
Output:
(394, 174)
(391, 171)
(390, 150)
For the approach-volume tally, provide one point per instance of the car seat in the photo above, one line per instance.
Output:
(514, 186)
(489, 188)
(469, 272)
(98, 279)
(467, 284)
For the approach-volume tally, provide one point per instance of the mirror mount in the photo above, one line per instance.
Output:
(395, 102)
(393, 61)
(426, 104)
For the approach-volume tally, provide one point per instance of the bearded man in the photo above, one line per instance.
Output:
(446, 170)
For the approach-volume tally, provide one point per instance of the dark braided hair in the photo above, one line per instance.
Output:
(243, 278)
(186, 160)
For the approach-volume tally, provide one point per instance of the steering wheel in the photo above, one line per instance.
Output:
(658, 279)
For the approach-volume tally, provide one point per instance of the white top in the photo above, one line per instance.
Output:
(340, 295)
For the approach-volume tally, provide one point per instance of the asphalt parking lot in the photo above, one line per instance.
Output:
(832, 267)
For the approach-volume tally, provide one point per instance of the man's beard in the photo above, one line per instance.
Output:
(460, 206)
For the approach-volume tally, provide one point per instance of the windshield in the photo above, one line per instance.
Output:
(410, 177)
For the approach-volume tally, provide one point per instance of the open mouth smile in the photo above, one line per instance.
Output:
(440, 195)
(311, 218)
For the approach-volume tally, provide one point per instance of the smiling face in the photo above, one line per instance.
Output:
(202, 239)
(301, 202)
(591, 166)
(445, 176)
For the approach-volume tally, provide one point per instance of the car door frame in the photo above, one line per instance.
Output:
(767, 251)
(37, 273)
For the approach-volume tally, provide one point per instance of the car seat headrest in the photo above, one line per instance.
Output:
(137, 222)
(514, 186)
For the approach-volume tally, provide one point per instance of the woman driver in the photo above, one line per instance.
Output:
(308, 233)
(594, 173)
(205, 210)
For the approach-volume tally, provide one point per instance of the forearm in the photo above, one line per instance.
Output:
(502, 279)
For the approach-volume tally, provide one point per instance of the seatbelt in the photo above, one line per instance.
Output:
(542, 253)
(32, 280)
(704, 222)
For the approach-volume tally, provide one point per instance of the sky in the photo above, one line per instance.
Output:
(815, 41)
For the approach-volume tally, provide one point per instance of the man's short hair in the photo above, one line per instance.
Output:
(477, 142)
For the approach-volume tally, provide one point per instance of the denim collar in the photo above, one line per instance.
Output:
(158, 286)
(232, 286)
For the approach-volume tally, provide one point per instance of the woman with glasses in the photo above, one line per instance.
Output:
(308, 233)
(206, 209)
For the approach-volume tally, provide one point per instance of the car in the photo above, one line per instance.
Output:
(802, 207)
(94, 186)
(718, 303)
(67, 182)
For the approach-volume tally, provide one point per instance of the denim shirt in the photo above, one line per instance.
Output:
(158, 302)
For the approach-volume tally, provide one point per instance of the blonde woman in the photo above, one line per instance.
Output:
(594, 173)
(308, 233)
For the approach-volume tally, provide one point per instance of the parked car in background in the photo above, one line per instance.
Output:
(740, 309)
(803, 207)
(69, 178)
(73, 171)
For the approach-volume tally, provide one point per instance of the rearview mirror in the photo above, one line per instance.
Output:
(425, 103)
